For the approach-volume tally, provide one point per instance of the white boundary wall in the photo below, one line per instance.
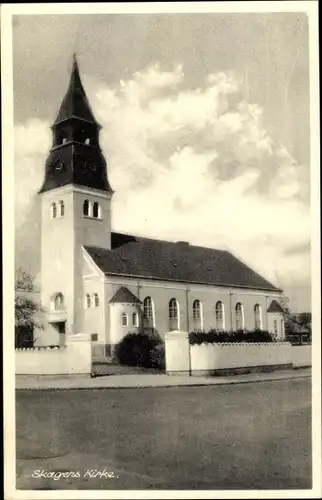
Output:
(177, 353)
(207, 358)
(302, 355)
(73, 359)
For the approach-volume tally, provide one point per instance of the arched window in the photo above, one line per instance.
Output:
(96, 300)
(220, 316)
(124, 319)
(87, 141)
(62, 208)
(239, 316)
(135, 319)
(197, 315)
(88, 301)
(86, 207)
(64, 140)
(59, 302)
(53, 210)
(148, 312)
(96, 210)
(173, 315)
(257, 317)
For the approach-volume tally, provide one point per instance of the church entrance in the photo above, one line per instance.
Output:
(60, 327)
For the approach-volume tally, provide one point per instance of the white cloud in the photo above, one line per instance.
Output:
(190, 164)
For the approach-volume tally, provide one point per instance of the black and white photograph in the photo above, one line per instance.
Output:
(161, 173)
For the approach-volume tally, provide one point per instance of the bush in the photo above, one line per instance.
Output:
(157, 355)
(216, 336)
(135, 349)
(24, 336)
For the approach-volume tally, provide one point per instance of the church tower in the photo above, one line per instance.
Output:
(75, 209)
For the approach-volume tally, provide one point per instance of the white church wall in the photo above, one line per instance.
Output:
(161, 293)
(276, 325)
(94, 319)
(118, 330)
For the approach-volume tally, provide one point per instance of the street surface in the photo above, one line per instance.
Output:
(246, 436)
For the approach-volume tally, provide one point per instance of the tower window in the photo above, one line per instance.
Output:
(59, 302)
(96, 210)
(87, 141)
(53, 210)
(86, 207)
(64, 140)
(96, 300)
(88, 301)
(219, 316)
(62, 208)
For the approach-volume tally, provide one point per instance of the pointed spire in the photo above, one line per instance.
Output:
(75, 102)
(75, 80)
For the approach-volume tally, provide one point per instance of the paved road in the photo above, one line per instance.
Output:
(248, 436)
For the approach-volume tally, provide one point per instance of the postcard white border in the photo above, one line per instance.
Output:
(309, 7)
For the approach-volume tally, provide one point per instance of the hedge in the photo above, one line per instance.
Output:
(216, 336)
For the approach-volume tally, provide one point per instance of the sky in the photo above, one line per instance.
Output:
(205, 129)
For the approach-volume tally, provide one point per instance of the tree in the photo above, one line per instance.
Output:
(27, 310)
(24, 281)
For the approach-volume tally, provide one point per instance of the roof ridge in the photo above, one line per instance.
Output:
(179, 242)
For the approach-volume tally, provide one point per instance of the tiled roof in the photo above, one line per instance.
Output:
(163, 260)
(123, 295)
(275, 307)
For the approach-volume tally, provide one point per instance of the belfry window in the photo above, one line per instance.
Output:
(87, 141)
(96, 210)
(86, 208)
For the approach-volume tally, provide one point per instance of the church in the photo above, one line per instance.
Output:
(107, 284)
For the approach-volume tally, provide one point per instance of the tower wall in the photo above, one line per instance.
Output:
(75, 173)
(62, 239)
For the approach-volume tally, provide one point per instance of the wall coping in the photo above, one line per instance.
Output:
(41, 348)
(247, 344)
